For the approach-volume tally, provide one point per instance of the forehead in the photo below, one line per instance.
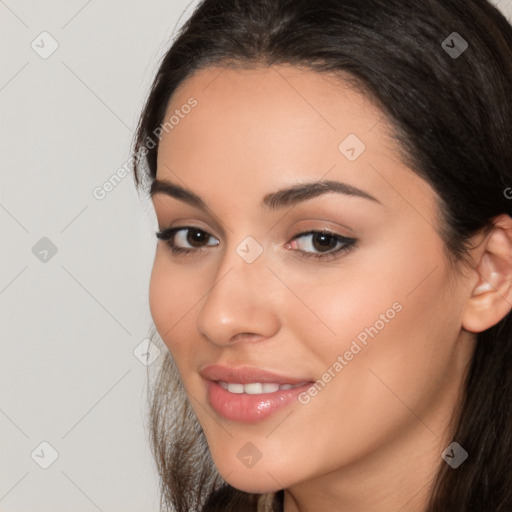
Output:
(273, 100)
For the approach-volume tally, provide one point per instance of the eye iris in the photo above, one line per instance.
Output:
(326, 242)
(195, 236)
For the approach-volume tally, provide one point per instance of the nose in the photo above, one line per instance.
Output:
(239, 306)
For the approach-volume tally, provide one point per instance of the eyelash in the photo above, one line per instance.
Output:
(167, 235)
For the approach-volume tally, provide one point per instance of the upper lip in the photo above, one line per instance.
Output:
(246, 375)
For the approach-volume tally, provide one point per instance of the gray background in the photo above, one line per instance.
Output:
(71, 321)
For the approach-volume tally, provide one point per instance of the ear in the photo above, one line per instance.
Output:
(491, 294)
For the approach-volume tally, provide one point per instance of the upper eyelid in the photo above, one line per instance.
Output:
(350, 232)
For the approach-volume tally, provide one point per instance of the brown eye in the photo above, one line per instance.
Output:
(186, 239)
(324, 242)
(321, 244)
(197, 237)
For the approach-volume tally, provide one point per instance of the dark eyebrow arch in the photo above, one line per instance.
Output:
(273, 201)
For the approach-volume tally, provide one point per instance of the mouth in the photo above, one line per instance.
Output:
(250, 395)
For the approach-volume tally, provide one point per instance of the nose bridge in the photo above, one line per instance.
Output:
(238, 300)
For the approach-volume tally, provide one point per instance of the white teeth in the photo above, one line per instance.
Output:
(256, 388)
(235, 388)
(253, 389)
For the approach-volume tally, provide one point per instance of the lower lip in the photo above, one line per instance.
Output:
(245, 408)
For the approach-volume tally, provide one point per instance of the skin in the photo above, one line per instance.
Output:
(381, 423)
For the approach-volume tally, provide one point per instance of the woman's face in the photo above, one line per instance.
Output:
(375, 321)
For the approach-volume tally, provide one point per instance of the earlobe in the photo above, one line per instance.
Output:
(491, 296)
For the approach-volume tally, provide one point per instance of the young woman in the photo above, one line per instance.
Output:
(333, 276)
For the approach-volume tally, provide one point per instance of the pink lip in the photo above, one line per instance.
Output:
(242, 407)
(245, 375)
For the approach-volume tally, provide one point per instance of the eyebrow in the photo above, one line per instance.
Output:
(272, 201)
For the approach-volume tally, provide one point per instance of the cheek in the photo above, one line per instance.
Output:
(387, 311)
(172, 297)
(161, 297)
(345, 303)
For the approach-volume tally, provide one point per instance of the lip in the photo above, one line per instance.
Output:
(246, 375)
(243, 407)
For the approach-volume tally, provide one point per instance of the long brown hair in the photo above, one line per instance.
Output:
(451, 107)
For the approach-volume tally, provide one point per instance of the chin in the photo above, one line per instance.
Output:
(254, 485)
(261, 478)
